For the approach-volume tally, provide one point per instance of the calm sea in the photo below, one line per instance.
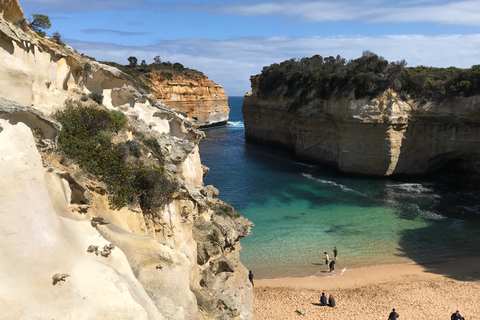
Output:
(301, 210)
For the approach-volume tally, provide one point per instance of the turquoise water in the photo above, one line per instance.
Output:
(301, 210)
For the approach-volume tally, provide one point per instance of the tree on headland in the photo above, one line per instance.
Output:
(39, 23)
(133, 61)
(157, 60)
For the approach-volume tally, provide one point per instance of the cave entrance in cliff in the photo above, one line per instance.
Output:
(453, 165)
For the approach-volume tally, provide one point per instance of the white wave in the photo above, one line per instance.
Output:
(412, 187)
(235, 124)
(475, 209)
(333, 184)
(305, 164)
(431, 215)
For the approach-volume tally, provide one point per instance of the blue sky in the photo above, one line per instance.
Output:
(231, 40)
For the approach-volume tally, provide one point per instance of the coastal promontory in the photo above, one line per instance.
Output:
(368, 116)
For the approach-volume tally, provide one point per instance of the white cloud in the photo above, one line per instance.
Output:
(231, 62)
(454, 12)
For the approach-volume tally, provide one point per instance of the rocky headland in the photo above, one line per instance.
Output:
(197, 96)
(367, 116)
(80, 242)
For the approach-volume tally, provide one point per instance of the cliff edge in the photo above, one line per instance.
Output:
(359, 126)
(77, 238)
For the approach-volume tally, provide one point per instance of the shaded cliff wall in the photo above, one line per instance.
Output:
(155, 270)
(381, 136)
(198, 97)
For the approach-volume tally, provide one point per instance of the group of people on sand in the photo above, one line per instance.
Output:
(457, 316)
(323, 300)
(332, 263)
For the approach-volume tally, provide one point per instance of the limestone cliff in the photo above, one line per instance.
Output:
(380, 136)
(55, 218)
(198, 97)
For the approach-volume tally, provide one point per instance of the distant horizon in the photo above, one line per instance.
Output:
(229, 41)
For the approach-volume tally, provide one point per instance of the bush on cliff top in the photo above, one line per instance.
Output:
(87, 139)
(323, 78)
(141, 72)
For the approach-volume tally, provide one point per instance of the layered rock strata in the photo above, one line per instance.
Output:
(198, 97)
(380, 136)
(164, 265)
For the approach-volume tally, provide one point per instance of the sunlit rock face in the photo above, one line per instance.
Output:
(381, 136)
(162, 264)
(198, 97)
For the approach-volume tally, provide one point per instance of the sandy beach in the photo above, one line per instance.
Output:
(430, 291)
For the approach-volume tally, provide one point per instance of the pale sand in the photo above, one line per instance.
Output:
(428, 292)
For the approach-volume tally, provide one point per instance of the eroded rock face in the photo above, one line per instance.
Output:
(381, 136)
(48, 206)
(199, 97)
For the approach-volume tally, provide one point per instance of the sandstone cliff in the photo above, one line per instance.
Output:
(380, 136)
(155, 265)
(199, 97)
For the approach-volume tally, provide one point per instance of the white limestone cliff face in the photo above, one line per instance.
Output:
(381, 136)
(154, 272)
(199, 97)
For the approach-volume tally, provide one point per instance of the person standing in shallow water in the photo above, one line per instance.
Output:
(326, 258)
(250, 277)
(335, 253)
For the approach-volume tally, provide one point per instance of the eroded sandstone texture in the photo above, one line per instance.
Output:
(199, 97)
(180, 262)
(381, 136)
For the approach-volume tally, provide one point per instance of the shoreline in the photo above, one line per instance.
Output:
(431, 290)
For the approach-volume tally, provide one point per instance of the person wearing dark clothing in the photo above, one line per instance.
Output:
(456, 316)
(393, 315)
(335, 253)
(331, 301)
(250, 277)
(332, 265)
(323, 299)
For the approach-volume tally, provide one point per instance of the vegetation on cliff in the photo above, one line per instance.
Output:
(312, 78)
(141, 72)
(87, 139)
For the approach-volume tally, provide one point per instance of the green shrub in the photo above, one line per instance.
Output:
(156, 188)
(306, 79)
(38, 23)
(213, 238)
(154, 147)
(20, 23)
(224, 209)
(57, 38)
(84, 97)
(130, 148)
(86, 139)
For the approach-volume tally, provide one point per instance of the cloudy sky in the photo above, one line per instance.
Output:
(231, 40)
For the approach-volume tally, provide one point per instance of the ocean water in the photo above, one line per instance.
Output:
(301, 210)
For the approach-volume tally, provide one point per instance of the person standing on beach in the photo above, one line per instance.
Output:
(332, 265)
(393, 315)
(326, 259)
(250, 277)
(335, 252)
